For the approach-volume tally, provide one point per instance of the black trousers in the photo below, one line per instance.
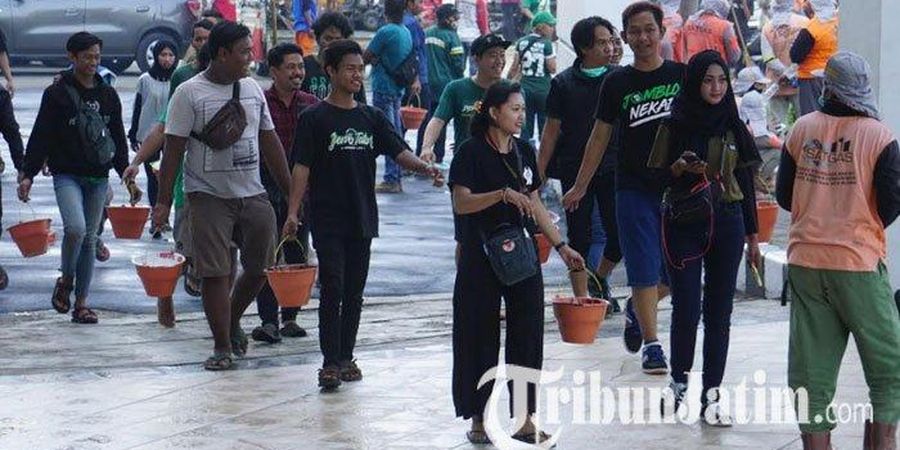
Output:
(343, 270)
(266, 303)
(602, 190)
(476, 329)
(152, 184)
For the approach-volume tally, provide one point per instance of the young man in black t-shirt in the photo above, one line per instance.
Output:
(635, 99)
(575, 90)
(329, 27)
(335, 147)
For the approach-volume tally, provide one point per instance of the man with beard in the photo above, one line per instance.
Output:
(286, 101)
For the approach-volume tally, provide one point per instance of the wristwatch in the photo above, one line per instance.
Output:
(561, 244)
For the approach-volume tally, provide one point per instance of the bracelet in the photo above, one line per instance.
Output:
(561, 244)
(503, 195)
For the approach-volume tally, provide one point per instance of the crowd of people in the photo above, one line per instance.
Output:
(659, 158)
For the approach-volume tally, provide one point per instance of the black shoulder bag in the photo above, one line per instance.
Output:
(509, 248)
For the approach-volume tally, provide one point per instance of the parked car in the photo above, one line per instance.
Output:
(37, 30)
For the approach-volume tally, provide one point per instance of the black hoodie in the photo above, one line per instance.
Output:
(54, 138)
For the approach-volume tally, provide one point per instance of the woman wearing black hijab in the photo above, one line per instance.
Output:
(710, 160)
(150, 101)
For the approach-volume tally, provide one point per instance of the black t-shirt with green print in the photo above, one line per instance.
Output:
(639, 101)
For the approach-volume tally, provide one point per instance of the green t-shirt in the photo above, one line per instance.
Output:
(534, 51)
(446, 57)
(458, 103)
(181, 74)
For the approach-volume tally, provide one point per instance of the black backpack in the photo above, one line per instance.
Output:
(93, 134)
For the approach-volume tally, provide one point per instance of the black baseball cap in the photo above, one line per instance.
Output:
(487, 42)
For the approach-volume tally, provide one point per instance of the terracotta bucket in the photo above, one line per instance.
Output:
(291, 283)
(413, 116)
(767, 212)
(128, 221)
(32, 237)
(543, 247)
(159, 272)
(579, 318)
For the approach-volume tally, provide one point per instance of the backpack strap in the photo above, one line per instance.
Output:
(73, 94)
(236, 90)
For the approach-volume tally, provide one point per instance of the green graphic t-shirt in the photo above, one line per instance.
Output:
(458, 103)
(639, 101)
(534, 51)
(535, 6)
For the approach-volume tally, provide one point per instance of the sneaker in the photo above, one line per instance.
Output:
(266, 333)
(715, 416)
(329, 378)
(632, 334)
(350, 371)
(654, 360)
(292, 330)
(388, 188)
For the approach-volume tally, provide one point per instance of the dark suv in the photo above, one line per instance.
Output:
(37, 30)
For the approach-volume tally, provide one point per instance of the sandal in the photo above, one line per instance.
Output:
(4, 279)
(191, 284)
(478, 437)
(239, 342)
(329, 378)
(101, 252)
(83, 314)
(60, 299)
(219, 361)
(529, 438)
(350, 371)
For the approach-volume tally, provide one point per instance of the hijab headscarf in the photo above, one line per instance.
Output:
(693, 116)
(847, 80)
(156, 70)
(670, 7)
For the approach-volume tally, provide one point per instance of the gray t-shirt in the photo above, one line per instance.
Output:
(232, 172)
(154, 95)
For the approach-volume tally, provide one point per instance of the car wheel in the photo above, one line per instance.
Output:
(144, 54)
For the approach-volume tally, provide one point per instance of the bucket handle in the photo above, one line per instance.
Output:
(279, 250)
(418, 101)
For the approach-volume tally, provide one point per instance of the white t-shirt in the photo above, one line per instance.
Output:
(753, 112)
(232, 172)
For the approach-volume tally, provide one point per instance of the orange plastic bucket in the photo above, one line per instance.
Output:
(159, 272)
(291, 283)
(544, 247)
(128, 221)
(413, 116)
(32, 237)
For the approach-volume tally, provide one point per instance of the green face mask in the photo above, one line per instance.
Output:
(595, 72)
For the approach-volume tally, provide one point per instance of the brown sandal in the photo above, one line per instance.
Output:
(83, 314)
(329, 378)
(60, 299)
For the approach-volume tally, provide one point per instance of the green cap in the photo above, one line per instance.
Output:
(543, 17)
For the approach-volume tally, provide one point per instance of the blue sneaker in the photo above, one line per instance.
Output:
(632, 334)
(654, 360)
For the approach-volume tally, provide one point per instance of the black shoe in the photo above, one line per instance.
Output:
(292, 330)
(266, 333)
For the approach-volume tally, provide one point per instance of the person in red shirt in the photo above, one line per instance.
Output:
(285, 101)
(227, 8)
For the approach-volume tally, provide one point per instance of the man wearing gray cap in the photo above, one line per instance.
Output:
(839, 177)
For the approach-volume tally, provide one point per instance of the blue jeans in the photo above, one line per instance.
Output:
(704, 286)
(81, 204)
(390, 106)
